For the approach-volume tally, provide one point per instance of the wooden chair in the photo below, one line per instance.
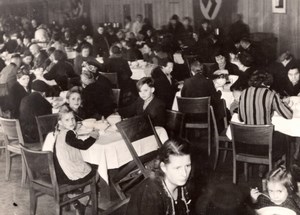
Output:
(134, 129)
(116, 96)
(46, 124)
(12, 138)
(222, 137)
(174, 123)
(112, 77)
(194, 107)
(43, 180)
(252, 144)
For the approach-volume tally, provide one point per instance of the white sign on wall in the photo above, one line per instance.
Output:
(210, 8)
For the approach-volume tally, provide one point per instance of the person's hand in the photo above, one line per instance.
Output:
(94, 134)
(254, 193)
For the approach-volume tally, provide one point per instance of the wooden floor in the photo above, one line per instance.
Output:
(14, 199)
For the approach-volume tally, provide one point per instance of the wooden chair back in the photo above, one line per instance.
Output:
(46, 124)
(134, 129)
(12, 130)
(43, 179)
(112, 77)
(251, 144)
(174, 123)
(194, 105)
(116, 96)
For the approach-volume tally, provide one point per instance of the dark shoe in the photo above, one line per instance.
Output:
(80, 208)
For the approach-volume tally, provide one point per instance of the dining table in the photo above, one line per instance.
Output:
(110, 150)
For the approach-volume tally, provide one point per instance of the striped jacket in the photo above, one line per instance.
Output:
(258, 104)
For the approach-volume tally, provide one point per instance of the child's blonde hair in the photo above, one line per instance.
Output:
(283, 176)
(62, 111)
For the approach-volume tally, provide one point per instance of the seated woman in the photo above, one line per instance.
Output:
(74, 102)
(290, 84)
(165, 193)
(257, 105)
(18, 91)
(222, 66)
(62, 71)
(281, 192)
(96, 98)
(165, 86)
(31, 106)
(69, 165)
(147, 104)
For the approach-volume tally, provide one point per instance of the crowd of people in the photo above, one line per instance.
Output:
(34, 65)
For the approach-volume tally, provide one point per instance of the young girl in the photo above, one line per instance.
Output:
(166, 193)
(280, 192)
(74, 101)
(69, 164)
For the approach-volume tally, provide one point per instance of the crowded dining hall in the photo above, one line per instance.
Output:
(145, 107)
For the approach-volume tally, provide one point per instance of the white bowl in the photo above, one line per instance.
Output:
(101, 125)
(113, 119)
(89, 123)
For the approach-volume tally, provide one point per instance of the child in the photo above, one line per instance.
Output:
(74, 101)
(280, 191)
(69, 164)
(147, 104)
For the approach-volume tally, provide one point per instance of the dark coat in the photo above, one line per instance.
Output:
(101, 44)
(97, 100)
(120, 66)
(31, 106)
(232, 69)
(156, 109)
(164, 89)
(16, 94)
(61, 72)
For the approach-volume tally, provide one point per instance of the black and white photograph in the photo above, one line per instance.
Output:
(150, 107)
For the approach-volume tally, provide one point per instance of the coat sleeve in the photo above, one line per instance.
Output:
(73, 141)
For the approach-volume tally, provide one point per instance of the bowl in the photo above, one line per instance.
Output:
(113, 119)
(89, 123)
(101, 125)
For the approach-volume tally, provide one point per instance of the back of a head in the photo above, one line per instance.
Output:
(260, 78)
(115, 50)
(197, 67)
(246, 59)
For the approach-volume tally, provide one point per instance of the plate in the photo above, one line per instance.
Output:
(275, 210)
(82, 131)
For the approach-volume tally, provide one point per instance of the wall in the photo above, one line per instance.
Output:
(115, 10)
(258, 14)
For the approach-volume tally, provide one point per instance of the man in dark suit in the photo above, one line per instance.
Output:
(146, 104)
(165, 86)
(201, 86)
(31, 106)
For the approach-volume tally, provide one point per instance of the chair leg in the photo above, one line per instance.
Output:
(119, 191)
(234, 171)
(8, 164)
(24, 173)
(246, 171)
(217, 154)
(225, 152)
(209, 140)
(94, 198)
(33, 202)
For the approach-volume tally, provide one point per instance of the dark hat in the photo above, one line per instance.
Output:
(39, 86)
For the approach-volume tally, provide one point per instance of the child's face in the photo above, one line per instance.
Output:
(74, 101)
(168, 68)
(277, 192)
(68, 121)
(146, 92)
(24, 80)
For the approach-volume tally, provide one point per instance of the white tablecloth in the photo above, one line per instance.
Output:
(111, 152)
(286, 126)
